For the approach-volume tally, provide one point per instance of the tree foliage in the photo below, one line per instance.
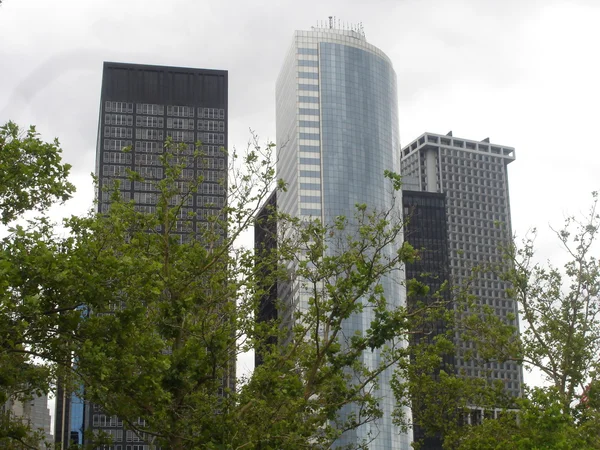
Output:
(151, 323)
(559, 339)
(32, 175)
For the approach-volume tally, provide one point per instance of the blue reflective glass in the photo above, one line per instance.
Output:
(309, 148)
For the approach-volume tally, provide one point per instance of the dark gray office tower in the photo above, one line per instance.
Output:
(473, 177)
(425, 215)
(265, 243)
(140, 107)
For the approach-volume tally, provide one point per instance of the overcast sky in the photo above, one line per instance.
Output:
(525, 73)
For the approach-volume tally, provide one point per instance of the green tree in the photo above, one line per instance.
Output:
(150, 324)
(560, 339)
(32, 177)
(168, 318)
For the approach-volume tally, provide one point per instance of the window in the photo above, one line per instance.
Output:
(145, 108)
(180, 111)
(212, 188)
(145, 186)
(307, 51)
(116, 157)
(211, 125)
(154, 135)
(309, 75)
(146, 159)
(308, 87)
(150, 172)
(181, 136)
(309, 111)
(211, 113)
(148, 147)
(211, 138)
(118, 119)
(180, 124)
(215, 176)
(118, 132)
(307, 63)
(116, 144)
(113, 171)
(212, 163)
(313, 136)
(309, 123)
(149, 121)
(118, 107)
(310, 161)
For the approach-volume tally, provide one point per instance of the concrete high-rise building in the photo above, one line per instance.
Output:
(33, 412)
(141, 106)
(472, 178)
(337, 132)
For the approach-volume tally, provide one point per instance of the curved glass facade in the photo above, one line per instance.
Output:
(337, 132)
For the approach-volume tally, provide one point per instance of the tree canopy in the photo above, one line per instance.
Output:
(151, 320)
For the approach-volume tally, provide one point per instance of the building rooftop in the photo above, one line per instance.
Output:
(447, 140)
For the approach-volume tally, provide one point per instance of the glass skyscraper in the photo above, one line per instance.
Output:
(337, 132)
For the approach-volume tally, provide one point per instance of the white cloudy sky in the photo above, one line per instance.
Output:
(523, 72)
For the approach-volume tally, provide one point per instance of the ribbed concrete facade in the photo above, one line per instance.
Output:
(473, 175)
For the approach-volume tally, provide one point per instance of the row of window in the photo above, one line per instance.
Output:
(112, 170)
(308, 111)
(132, 436)
(203, 113)
(215, 176)
(211, 188)
(158, 147)
(149, 122)
(210, 201)
(308, 87)
(309, 123)
(118, 132)
(212, 163)
(310, 161)
(308, 75)
(102, 420)
(149, 147)
(125, 196)
(182, 136)
(147, 159)
(118, 144)
(211, 138)
(159, 110)
(145, 108)
(116, 435)
(149, 198)
(211, 125)
(313, 136)
(118, 107)
(180, 124)
(151, 135)
(124, 184)
(308, 63)
(117, 157)
(118, 119)
(306, 99)
(180, 111)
